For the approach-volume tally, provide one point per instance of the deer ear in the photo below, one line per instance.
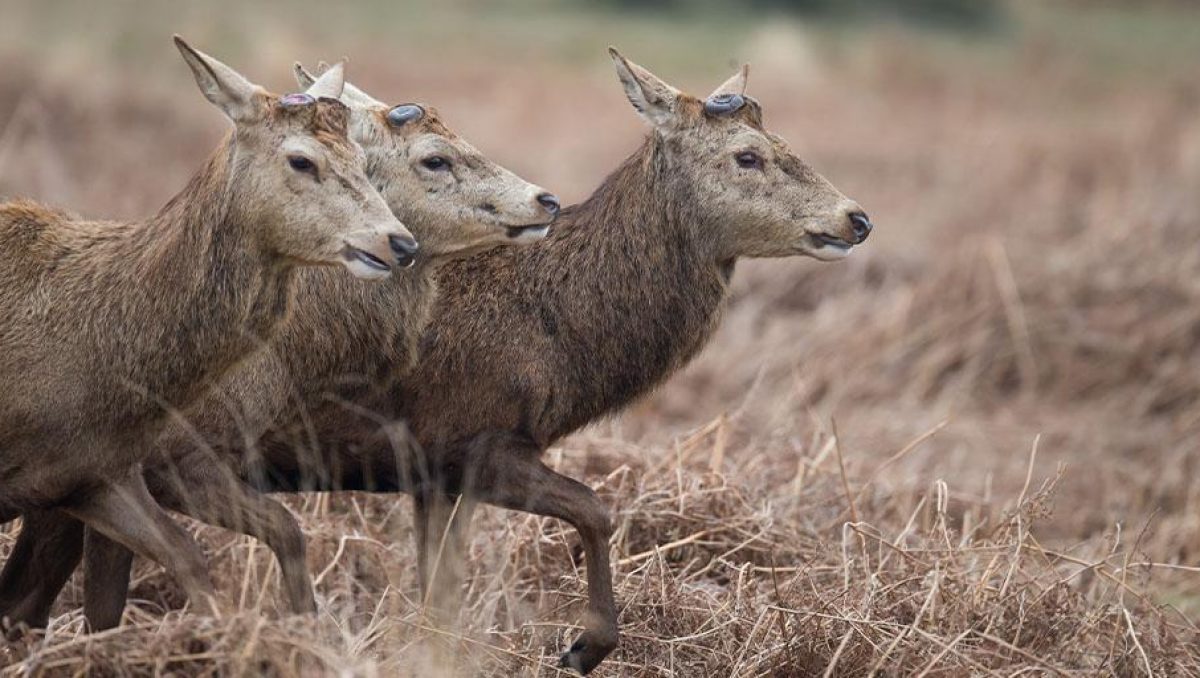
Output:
(303, 77)
(654, 99)
(351, 95)
(330, 84)
(734, 85)
(220, 84)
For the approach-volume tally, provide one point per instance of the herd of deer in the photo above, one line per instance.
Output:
(212, 353)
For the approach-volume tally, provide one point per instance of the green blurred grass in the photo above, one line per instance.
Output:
(698, 38)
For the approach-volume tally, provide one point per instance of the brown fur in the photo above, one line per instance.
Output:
(107, 325)
(78, 290)
(344, 342)
(526, 346)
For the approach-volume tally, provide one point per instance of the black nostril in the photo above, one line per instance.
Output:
(403, 244)
(550, 202)
(861, 225)
(404, 247)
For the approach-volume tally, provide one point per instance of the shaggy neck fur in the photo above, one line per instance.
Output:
(198, 293)
(642, 290)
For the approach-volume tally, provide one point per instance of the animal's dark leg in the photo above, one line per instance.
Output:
(203, 489)
(125, 512)
(106, 569)
(508, 472)
(206, 489)
(442, 526)
(46, 553)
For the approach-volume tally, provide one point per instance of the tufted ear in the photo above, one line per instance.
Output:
(227, 89)
(654, 99)
(736, 84)
(331, 83)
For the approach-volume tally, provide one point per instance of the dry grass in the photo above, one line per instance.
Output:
(1013, 363)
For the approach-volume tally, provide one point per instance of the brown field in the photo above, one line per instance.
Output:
(1012, 361)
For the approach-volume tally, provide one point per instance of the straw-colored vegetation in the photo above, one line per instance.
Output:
(1012, 361)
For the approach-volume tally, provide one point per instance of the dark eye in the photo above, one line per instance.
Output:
(302, 164)
(436, 163)
(749, 160)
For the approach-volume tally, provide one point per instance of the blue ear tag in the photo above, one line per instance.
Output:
(405, 113)
(724, 104)
(295, 100)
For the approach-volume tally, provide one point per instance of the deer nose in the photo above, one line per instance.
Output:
(550, 202)
(405, 248)
(861, 225)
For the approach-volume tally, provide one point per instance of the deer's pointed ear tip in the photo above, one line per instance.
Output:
(612, 52)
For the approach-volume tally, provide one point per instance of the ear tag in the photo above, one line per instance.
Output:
(297, 100)
(405, 113)
(724, 104)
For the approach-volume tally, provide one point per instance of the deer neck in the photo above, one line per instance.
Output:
(643, 289)
(212, 290)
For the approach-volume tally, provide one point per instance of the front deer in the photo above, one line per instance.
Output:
(106, 325)
(341, 344)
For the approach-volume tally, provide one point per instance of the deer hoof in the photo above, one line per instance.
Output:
(588, 651)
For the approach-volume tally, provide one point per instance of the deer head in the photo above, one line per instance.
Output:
(297, 176)
(753, 196)
(461, 201)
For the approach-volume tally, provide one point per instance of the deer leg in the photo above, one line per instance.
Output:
(211, 493)
(125, 512)
(512, 476)
(442, 525)
(214, 497)
(106, 570)
(246, 511)
(46, 553)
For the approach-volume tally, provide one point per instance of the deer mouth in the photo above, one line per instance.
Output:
(528, 232)
(364, 264)
(825, 247)
(825, 240)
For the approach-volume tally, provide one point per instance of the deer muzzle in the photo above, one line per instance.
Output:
(371, 255)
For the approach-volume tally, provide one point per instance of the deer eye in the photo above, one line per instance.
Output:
(436, 163)
(302, 164)
(749, 160)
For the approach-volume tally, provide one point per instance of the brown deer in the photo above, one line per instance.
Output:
(340, 345)
(627, 289)
(624, 291)
(107, 325)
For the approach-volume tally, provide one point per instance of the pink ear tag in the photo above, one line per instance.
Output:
(295, 100)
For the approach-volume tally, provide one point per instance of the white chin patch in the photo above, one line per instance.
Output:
(528, 235)
(828, 252)
(362, 271)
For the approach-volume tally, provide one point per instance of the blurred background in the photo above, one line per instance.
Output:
(1033, 169)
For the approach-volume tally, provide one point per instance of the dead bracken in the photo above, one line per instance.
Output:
(1034, 272)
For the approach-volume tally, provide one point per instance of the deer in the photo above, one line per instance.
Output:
(108, 325)
(625, 290)
(339, 344)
